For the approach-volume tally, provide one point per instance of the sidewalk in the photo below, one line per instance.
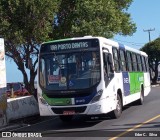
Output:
(157, 85)
(24, 122)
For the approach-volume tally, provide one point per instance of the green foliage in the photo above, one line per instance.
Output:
(25, 24)
(93, 17)
(153, 51)
(22, 20)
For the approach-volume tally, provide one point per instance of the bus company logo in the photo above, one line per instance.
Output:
(140, 79)
(125, 80)
(68, 102)
(6, 134)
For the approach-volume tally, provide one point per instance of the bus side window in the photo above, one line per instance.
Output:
(105, 64)
(108, 65)
(122, 60)
(42, 73)
(146, 63)
(116, 59)
(143, 64)
(129, 61)
(134, 62)
(139, 63)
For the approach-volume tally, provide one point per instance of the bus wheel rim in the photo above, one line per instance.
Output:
(118, 106)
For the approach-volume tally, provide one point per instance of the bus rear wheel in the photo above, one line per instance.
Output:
(66, 118)
(115, 114)
(141, 100)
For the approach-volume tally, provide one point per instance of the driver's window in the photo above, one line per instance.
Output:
(42, 73)
(108, 65)
(104, 64)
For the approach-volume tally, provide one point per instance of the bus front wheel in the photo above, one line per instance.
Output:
(66, 118)
(115, 114)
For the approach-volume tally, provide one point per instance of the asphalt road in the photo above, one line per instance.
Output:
(136, 122)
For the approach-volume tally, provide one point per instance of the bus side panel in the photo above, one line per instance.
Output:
(139, 79)
(132, 82)
(126, 85)
(136, 79)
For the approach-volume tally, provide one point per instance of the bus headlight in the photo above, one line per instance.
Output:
(97, 97)
(43, 101)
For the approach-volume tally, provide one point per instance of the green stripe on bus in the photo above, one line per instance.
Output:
(136, 79)
(57, 101)
(66, 39)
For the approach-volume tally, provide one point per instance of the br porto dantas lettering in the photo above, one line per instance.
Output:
(68, 46)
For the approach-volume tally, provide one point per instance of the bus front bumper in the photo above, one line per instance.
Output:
(100, 107)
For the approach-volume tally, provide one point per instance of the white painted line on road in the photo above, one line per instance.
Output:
(133, 128)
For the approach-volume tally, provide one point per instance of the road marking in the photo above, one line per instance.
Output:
(137, 126)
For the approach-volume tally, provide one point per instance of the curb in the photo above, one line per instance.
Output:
(11, 127)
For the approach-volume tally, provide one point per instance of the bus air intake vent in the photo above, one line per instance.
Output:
(75, 109)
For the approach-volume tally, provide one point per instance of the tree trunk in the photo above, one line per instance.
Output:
(154, 80)
(32, 78)
(25, 80)
(29, 85)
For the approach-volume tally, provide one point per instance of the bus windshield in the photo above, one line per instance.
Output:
(69, 71)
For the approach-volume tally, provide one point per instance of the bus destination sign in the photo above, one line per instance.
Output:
(69, 46)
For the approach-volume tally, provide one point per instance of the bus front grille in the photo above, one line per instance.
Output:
(75, 109)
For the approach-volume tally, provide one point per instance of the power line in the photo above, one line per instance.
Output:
(149, 30)
(132, 43)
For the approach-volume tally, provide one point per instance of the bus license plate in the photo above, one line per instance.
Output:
(68, 112)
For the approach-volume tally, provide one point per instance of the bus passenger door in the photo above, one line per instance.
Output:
(107, 67)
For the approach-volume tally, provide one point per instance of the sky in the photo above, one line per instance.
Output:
(145, 13)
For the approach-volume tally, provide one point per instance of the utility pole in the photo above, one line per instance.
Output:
(149, 30)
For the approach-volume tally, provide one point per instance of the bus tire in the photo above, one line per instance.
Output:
(141, 100)
(66, 118)
(115, 114)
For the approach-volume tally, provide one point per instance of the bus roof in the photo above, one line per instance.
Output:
(67, 39)
(117, 44)
(104, 40)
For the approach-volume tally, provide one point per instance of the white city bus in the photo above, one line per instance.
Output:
(90, 76)
(3, 97)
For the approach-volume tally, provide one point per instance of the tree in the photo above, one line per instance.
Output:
(153, 51)
(93, 17)
(24, 25)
